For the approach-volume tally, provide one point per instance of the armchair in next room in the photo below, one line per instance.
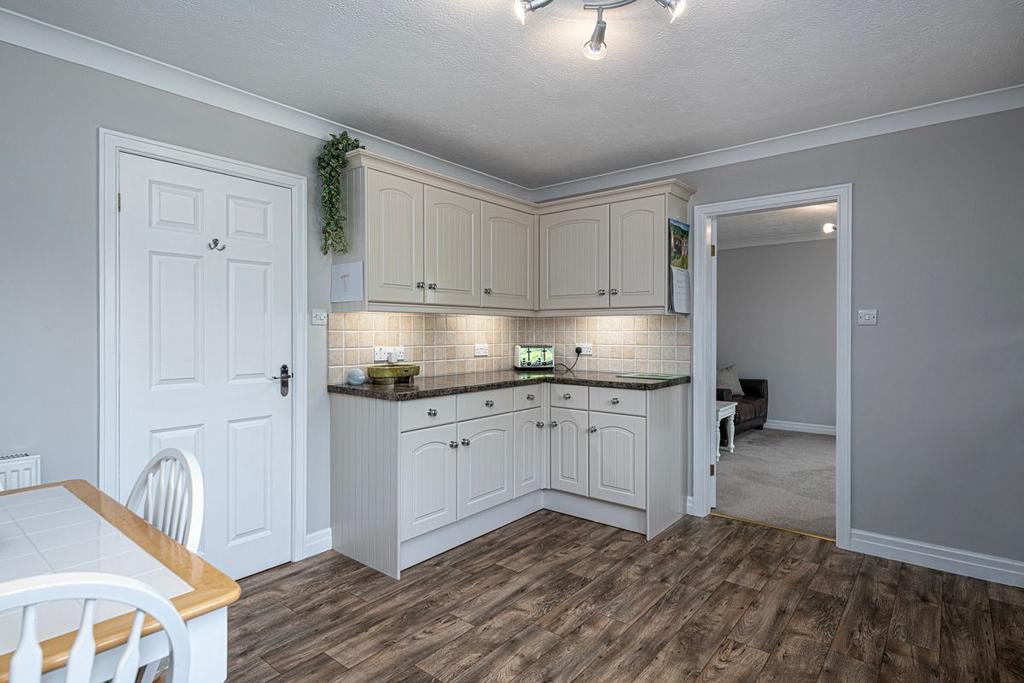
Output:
(751, 407)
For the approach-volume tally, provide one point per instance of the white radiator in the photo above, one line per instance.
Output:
(18, 470)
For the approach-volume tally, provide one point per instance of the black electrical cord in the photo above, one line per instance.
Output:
(579, 352)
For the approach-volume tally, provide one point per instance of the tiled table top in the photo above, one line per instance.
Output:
(49, 530)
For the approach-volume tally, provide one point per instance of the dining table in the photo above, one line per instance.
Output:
(71, 526)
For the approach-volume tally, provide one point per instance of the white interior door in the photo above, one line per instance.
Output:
(204, 324)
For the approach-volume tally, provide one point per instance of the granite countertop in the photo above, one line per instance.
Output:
(480, 381)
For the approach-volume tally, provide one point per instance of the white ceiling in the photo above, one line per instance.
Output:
(462, 80)
(778, 226)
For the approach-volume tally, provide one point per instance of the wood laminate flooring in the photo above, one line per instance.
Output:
(556, 598)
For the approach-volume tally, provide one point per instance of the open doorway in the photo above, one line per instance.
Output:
(775, 385)
(705, 261)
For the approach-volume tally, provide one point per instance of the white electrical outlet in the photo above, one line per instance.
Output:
(380, 353)
(867, 316)
(481, 350)
(588, 349)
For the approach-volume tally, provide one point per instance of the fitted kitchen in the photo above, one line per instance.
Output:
(490, 358)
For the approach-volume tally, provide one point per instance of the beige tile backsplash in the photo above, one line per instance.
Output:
(443, 344)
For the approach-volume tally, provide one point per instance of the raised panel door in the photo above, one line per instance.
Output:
(427, 480)
(394, 227)
(485, 463)
(508, 257)
(638, 253)
(451, 248)
(574, 259)
(569, 447)
(531, 448)
(618, 459)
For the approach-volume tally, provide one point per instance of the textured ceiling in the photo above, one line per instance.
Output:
(801, 222)
(462, 80)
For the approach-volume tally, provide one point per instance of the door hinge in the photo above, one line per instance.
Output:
(712, 469)
(714, 250)
(119, 202)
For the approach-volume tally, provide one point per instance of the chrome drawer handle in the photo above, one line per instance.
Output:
(465, 442)
(540, 425)
(432, 412)
(554, 423)
(615, 401)
(593, 430)
(530, 397)
(452, 444)
(567, 397)
(489, 403)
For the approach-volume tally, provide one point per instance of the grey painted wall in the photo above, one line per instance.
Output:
(777, 321)
(48, 249)
(938, 233)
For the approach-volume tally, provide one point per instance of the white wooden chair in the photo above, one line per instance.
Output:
(90, 587)
(169, 495)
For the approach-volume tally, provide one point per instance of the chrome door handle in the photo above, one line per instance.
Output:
(554, 423)
(489, 403)
(487, 290)
(432, 285)
(420, 285)
(593, 430)
(530, 397)
(615, 401)
(601, 292)
(465, 442)
(452, 444)
(614, 291)
(215, 244)
(432, 412)
(284, 377)
(540, 425)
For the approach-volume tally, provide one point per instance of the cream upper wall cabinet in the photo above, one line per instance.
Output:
(639, 243)
(508, 259)
(394, 214)
(451, 248)
(574, 259)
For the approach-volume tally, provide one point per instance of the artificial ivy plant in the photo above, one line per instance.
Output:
(330, 164)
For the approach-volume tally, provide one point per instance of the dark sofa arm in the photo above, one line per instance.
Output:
(755, 388)
(723, 394)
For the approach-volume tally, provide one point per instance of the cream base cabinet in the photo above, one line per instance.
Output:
(618, 459)
(638, 245)
(427, 480)
(485, 464)
(574, 259)
(532, 454)
(394, 245)
(570, 462)
(508, 259)
(451, 248)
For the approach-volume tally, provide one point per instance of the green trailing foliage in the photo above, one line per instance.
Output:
(330, 163)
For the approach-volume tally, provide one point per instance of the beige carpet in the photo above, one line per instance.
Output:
(786, 479)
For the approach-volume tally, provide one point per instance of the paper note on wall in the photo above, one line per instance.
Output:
(679, 265)
(347, 282)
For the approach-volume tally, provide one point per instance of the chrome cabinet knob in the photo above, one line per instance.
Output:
(432, 285)
(540, 425)
(420, 285)
(432, 412)
(452, 444)
(593, 430)
(489, 403)
(465, 442)
(566, 397)
(554, 423)
(615, 401)
(487, 290)
(530, 397)
(601, 292)
(614, 291)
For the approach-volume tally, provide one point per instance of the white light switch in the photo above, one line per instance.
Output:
(867, 316)
(318, 317)
(481, 350)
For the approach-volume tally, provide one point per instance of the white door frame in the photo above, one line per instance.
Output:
(704, 371)
(112, 143)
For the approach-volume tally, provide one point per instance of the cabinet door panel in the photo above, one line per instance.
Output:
(427, 480)
(394, 225)
(639, 253)
(569, 448)
(508, 259)
(531, 447)
(485, 463)
(618, 459)
(451, 248)
(574, 259)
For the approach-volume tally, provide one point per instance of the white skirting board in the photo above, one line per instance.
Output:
(318, 542)
(598, 511)
(943, 558)
(806, 427)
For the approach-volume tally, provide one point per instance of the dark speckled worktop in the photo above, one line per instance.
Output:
(481, 381)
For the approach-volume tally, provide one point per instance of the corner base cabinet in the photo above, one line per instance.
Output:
(413, 478)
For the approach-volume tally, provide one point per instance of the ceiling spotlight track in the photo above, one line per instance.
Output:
(596, 48)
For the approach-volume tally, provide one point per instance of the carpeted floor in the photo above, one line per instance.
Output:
(786, 479)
